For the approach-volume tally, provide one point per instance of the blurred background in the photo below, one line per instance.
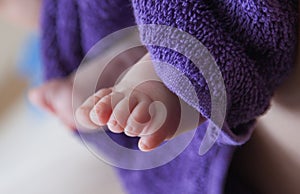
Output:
(37, 153)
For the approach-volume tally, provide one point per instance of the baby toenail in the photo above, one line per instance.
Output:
(110, 126)
(128, 129)
(143, 146)
(113, 123)
(94, 117)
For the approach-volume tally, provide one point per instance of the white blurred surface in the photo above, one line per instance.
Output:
(41, 156)
(37, 154)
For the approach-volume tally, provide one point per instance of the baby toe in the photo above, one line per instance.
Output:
(38, 96)
(102, 93)
(114, 127)
(82, 117)
(101, 112)
(82, 113)
(158, 130)
(149, 142)
(122, 111)
(138, 119)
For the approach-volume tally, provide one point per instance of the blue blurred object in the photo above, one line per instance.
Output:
(29, 63)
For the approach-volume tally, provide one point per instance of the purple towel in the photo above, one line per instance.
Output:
(253, 43)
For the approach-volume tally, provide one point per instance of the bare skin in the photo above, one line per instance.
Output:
(132, 107)
(55, 96)
(139, 105)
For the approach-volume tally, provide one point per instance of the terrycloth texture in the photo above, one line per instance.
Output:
(188, 173)
(252, 41)
(71, 27)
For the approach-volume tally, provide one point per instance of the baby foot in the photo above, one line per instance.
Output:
(55, 97)
(139, 105)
